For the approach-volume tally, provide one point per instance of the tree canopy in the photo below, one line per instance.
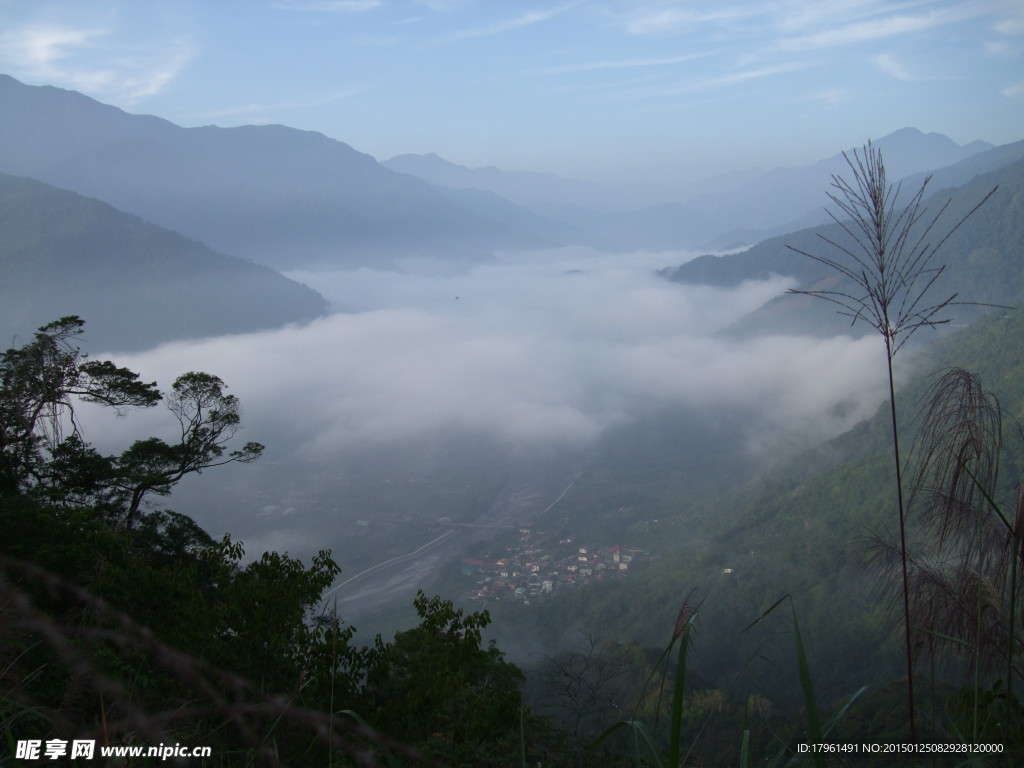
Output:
(43, 453)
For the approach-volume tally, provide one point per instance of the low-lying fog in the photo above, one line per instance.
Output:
(541, 351)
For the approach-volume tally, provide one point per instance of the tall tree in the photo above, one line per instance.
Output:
(42, 452)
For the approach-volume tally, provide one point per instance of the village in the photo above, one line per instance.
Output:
(537, 568)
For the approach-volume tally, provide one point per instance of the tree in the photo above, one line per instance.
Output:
(42, 451)
(888, 261)
(583, 685)
(437, 687)
(39, 384)
(208, 419)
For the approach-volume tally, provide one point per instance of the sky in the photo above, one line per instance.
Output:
(636, 91)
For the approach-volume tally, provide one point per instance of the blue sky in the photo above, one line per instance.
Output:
(631, 90)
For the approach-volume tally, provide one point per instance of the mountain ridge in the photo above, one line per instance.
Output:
(135, 283)
(273, 194)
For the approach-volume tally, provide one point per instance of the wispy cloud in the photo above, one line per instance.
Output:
(40, 47)
(1015, 91)
(665, 20)
(728, 79)
(378, 41)
(830, 97)
(1012, 24)
(327, 6)
(281, 106)
(703, 84)
(126, 74)
(507, 25)
(591, 66)
(888, 64)
(443, 5)
(151, 77)
(747, 74)
(875, 29)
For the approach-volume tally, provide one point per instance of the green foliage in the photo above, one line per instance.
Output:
(436, 686)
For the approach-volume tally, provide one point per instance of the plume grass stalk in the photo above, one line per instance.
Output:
(682, 637)
(886, 256)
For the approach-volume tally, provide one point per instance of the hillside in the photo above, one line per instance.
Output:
(804, 530)
(982, 259)
(136, 283)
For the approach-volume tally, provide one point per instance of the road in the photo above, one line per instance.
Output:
(398, 578)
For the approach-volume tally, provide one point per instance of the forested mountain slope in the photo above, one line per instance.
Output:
(983, 258)
(805, 530)
(139, 284)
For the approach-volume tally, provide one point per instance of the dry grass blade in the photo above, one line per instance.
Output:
(957, 455)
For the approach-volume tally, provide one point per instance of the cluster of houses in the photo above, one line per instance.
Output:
(535, 569)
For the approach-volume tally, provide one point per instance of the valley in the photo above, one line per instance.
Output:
(566, 435)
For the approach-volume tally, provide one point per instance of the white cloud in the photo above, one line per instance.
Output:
(524, 352)
(1014, 91)
(831, 97)
(712, 82)
(328, 6)
(507, 25)
(888, 64)
(662, 19)
(663, 61)
(39, 47)
(257, 108)
(875, 29)
(443, 5)
(73, 57)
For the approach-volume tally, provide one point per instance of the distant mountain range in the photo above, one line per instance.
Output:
(289, 198)
(276, 195)
(736, 208)
(526, 188)
(134, 283)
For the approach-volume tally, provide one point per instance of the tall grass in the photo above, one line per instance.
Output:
(647, 748)
(967, 583)
(682, 636)
(888, 261)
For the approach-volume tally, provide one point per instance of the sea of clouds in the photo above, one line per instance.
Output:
(542, 349)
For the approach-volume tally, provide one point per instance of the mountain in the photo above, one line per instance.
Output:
(533, 190)
(962, 172)
(273, 194)
(784, 195)
(982, 258)
(734, 209)
(136, 284)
